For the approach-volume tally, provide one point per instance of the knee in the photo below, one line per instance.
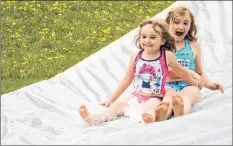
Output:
(195, 89)
(118, 104)
(119, 108)
(169, 93)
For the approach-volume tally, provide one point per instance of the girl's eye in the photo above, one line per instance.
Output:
(152, 37)
(185, 23)
(176, 22)
(143, 37)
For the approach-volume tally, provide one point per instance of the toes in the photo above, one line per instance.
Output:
(178, 105)
(176, 100)
(160, 104)
(147, 118)
(156, 118)
(144, 114)
(82, 107)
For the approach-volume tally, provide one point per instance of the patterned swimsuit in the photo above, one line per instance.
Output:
(185, 58)
(150, 76)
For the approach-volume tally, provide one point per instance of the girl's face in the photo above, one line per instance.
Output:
(150, 38)
(180, 26)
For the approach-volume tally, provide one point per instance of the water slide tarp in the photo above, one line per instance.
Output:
(46, 112)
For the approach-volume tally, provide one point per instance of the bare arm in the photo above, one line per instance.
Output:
(179, 70)
(126, 81)
(199, 69)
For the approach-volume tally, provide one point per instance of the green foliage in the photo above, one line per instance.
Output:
(41, 39)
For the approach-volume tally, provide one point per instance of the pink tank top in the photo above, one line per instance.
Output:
(150, 75)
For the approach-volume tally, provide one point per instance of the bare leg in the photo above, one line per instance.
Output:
(116, 109)
(182, 106)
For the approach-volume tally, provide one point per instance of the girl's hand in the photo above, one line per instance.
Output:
(216, 86)
(200, 83)
(106, 103)
(198, 78)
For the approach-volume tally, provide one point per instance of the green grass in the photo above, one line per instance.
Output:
(42, 39)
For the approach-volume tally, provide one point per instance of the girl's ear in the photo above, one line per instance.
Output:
(163, 42)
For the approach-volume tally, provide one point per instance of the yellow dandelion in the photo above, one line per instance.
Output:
(65, 49)
(140, 11)
(17, 35)
(106, 30)
(96, 12)
(150, 10)
(53, 34)
(106, 13)
(103, 39)
(41, 32)
(45, 29)
(118, 28)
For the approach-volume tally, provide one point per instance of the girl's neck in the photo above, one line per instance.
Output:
(179, 44)
(151, 54)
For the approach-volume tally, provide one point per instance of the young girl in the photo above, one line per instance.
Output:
(188, 54)
(148, 68)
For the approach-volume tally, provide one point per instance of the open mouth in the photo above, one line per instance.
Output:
(179, 33)
(148, 45)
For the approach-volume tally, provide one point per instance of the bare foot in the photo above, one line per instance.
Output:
(83, 111)
(147, 118)
(178, 105)
(157, 112)
(87, 117)
(162, 113)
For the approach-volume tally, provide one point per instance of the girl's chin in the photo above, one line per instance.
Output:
(179, 38)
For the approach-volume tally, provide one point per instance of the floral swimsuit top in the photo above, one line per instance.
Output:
(150, 75)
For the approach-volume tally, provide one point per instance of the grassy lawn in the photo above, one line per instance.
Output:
(41, 39)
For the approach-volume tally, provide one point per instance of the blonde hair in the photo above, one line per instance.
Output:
(181, 11)
(169, 40)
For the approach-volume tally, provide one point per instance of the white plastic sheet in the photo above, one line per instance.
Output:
(46, 112)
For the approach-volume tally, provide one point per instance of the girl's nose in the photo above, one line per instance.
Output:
(181, 26)
(147, 40)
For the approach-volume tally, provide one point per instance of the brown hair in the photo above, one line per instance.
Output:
(169, 40)
(181, 10)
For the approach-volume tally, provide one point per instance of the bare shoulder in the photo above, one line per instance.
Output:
(169, 56)
(134, 54)
(195, 47)
(168, 53)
